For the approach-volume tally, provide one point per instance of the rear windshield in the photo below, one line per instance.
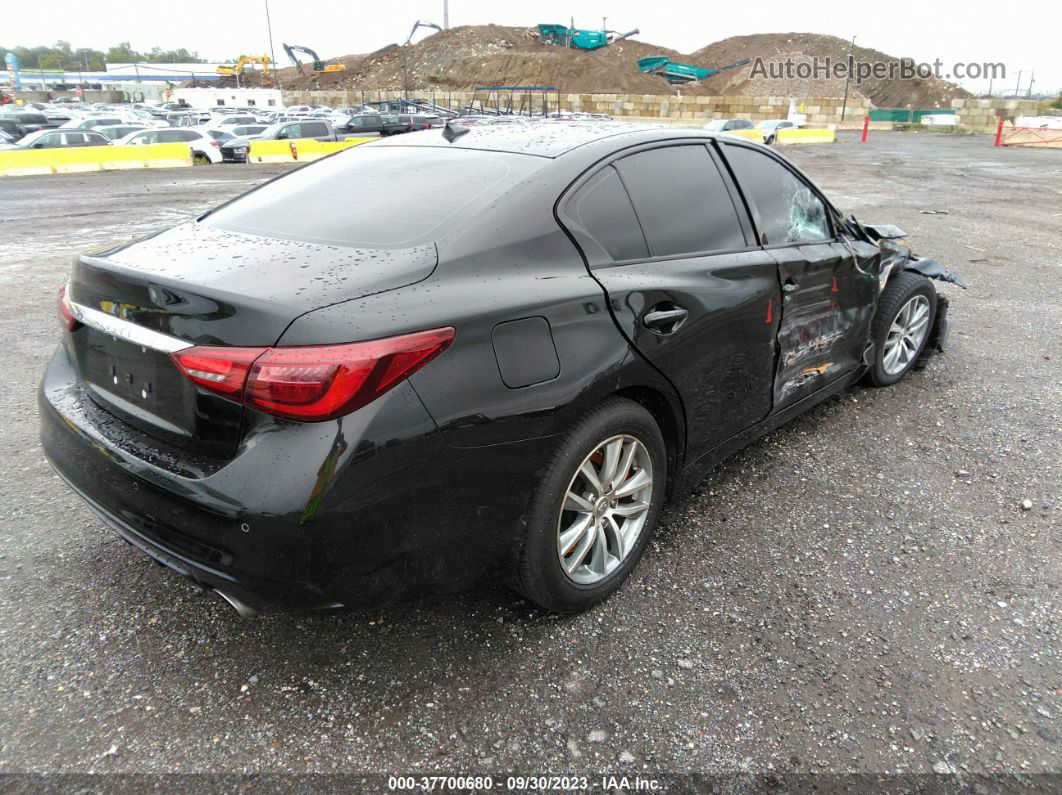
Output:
(374, 196)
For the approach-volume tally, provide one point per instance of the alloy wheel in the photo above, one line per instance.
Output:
(906, 334)
(605, 509)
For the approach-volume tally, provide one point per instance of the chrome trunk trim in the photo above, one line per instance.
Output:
(127, 330)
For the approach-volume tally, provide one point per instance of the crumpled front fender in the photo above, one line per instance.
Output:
(932, 269)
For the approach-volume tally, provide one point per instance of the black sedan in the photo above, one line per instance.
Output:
(306, 399)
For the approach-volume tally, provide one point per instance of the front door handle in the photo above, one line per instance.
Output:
(790, 287)
(665, 321)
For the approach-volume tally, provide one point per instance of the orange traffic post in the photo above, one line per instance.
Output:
(999, 134)
(866, 126)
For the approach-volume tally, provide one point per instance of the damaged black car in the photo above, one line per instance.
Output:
(303, 399)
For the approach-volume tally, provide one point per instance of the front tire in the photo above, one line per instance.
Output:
(595, 508)
(901, 327)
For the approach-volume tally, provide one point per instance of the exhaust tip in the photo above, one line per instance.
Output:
(245, 610)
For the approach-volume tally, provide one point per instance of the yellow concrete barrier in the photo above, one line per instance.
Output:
(66, 160)
(806, 135)
(755, 134)
(301, 149)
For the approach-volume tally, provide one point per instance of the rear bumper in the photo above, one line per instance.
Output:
(372, 508)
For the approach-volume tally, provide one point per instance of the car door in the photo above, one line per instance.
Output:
(663, 230)
(827, 297)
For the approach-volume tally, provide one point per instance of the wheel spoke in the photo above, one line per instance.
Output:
(891, 354)
(640, 480)
(599, 561)
(577, 503)
(631, 510)
(577, 558)
(590, 473)
(570, 538)
(611, 461)
(624, 470)
(615, 536)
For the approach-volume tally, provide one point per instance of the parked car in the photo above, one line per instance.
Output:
(361, 124)
(116, 131)
(771, 127)
(309, 405)
(20, 123)
(203, 146)
(53, 139)
(237, 150)
(6, 139)
(403, 123)
(729, 125)
(232, 120)
(92, 122)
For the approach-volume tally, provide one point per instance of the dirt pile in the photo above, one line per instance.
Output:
(464, 57)
(797, 48)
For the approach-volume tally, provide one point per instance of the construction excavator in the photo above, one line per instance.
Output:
(419, 24)
(318, 64)
(237, 68)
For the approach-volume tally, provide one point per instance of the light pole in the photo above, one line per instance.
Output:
(446, 14)
(272, 52)
(847, 78)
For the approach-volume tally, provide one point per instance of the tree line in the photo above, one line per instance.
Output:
(63, 56)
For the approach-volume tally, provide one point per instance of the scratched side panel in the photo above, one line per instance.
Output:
(825, 321)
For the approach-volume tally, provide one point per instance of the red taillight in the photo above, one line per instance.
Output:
(66, 312)
(221, 370)
(215, 144)
(316, 382)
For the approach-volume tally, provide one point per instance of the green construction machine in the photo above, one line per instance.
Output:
(581, 38)
(680, 73)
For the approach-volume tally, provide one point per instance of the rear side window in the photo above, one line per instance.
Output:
(787, 210)
(74, 138)
(373, 196)
(681, 201)
(188, 135)
(602, 218)
(313, 128)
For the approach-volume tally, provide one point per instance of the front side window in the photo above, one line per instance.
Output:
(682, 201)
(787, 210)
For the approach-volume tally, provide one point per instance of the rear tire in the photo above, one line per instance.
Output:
(581, 542)
(901, 327)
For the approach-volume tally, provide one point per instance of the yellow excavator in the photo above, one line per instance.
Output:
(318, 64)
(237, 68)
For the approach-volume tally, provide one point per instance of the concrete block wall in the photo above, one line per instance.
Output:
(666, 108)
(983, 115)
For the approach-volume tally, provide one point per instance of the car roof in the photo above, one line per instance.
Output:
(545, 140)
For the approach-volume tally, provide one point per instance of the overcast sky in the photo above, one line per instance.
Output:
(1016, 33)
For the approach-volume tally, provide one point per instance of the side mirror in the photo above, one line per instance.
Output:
(281, 136)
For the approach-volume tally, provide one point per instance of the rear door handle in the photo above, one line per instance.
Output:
(665, 321)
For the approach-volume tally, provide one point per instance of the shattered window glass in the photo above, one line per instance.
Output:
(788, 211)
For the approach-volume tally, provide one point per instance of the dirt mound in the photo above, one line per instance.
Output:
(803, 48)
(475, 55)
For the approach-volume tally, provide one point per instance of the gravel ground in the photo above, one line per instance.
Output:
(861, 591)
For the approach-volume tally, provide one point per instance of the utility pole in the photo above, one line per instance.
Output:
(1017, 88)
(1032, 79)
(847, 78)
(446, 14)
(272, 52)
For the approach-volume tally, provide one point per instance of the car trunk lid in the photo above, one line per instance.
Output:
(195, 285)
